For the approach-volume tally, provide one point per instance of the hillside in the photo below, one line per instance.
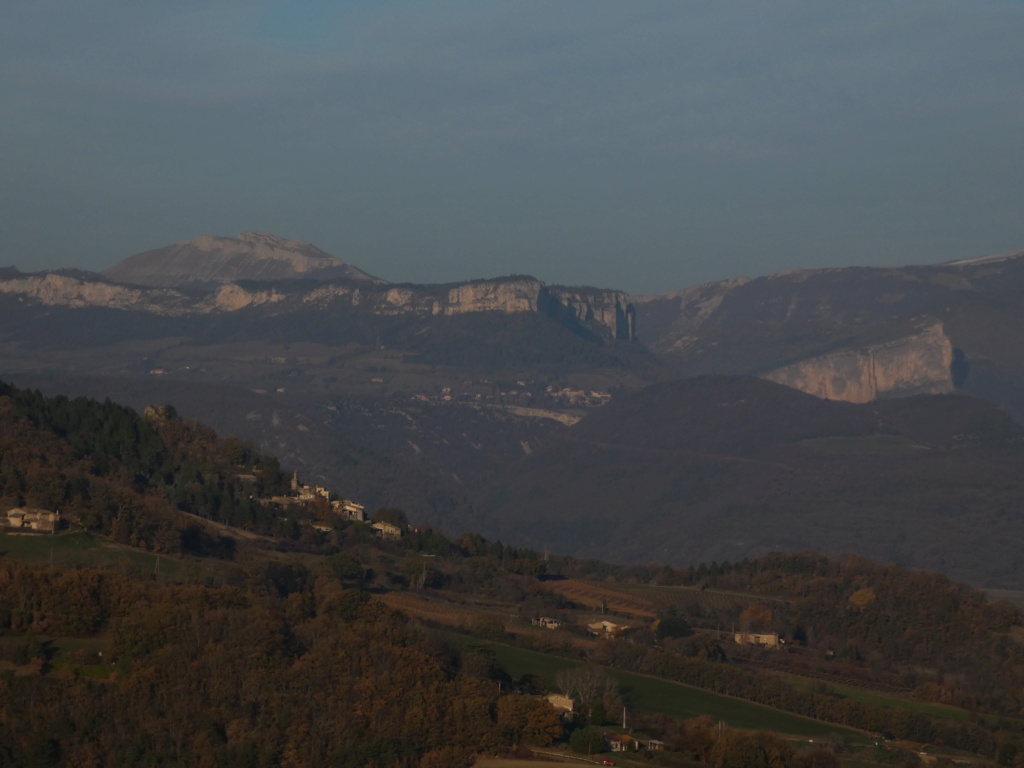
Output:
(720, 468)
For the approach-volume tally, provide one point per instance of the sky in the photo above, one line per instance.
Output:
(644, 146)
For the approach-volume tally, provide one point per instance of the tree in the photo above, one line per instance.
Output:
(761, 749)
(543, 725)
(586, 684)
(587, 741)
(673, 626)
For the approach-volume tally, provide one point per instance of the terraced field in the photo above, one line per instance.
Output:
(440, 611)
(663, 598)
(650, 600)
(596, 595)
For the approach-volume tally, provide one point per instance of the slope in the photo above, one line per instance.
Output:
(719, 468)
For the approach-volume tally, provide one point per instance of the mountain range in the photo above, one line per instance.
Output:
(484, 404)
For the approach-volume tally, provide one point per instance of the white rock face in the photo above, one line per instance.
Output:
(915, 364)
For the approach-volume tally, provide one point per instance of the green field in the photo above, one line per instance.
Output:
(650, 694)
(863, 444)
(65, 653)
(84, 550)
(877, 698)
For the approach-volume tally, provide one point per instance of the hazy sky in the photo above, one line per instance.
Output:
(641, 145)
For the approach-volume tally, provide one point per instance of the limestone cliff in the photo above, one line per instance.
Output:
(915, 364)
(516, 295)
(66, 291)
(607, 312)
(608, 309)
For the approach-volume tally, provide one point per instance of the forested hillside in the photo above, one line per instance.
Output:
(110, 471)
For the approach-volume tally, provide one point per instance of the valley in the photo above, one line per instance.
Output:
(516, 409)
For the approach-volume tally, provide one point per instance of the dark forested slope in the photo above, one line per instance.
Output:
(720, 468)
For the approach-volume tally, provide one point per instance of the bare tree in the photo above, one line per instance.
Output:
(586, 684)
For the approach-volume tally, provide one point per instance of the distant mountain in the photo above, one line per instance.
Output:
(250, 256)
(722, 468)
(854, 333)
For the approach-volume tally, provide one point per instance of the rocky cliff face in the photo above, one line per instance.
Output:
(915, 364)
(608, 309)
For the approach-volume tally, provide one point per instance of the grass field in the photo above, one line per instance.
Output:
(863, 444)
(70, 654)
(650, 694)
(81, 549)
(878, 698)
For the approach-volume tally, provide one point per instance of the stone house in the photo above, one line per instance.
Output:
(33, 519)
(387, 530)
(349, 510)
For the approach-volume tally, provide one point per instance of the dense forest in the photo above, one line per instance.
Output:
(241, 676)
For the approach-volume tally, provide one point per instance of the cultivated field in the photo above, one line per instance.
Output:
(440, 611)
(596, 595)
(650, 694)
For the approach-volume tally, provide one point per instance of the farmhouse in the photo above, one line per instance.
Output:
(606, 629)
(763, 639)
(621, 742)
(33, 519)
(349, 510)
(547, 622)
(387, 530)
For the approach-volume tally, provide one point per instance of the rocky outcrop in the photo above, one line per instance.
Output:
(230, 298)
(214, 259)
(915, 364)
